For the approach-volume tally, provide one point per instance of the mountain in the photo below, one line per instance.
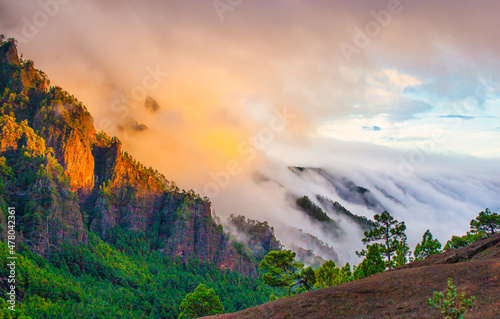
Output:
(98, 234)
(336, 203)
(66, 174)
(402, 292)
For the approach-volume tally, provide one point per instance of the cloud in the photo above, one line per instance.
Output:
(226, 80)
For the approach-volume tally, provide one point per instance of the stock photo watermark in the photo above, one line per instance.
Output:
(248, 149)
(11, 259)
(31, 26)
(123, 105)
(363, 37)
(224, 6)
(417, 157)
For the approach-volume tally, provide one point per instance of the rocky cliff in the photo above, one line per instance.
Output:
(66, 179)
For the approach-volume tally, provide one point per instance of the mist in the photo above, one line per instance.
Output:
(224, 101)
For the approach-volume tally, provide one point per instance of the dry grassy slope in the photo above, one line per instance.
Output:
(400, 293)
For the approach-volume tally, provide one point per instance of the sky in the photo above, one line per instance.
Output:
(393, 85)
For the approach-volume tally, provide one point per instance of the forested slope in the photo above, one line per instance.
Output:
(98, 233)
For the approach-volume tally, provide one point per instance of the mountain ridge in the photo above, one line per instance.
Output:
(101, 185)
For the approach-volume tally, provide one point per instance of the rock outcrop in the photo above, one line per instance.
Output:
(81, 180)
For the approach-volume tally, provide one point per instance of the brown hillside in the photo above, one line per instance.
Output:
(401, 293)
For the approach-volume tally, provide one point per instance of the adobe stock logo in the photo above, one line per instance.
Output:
(31, 27)
(470, 104)
(223, 6)
(124, 104)
(363, 37)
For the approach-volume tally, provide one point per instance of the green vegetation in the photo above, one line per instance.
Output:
(258, 236)
(329, 275)
(362, 221)
(427, 247)
(281, 269)
(486, 222)
(122, 280)
(67, 269)
(372, 264)
(462, 241)
(453, 305)
(313, 210)
(390, 237)
(202, 302)
(326, 274)
(306, 280)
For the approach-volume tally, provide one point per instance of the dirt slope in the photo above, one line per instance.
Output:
(401, 293)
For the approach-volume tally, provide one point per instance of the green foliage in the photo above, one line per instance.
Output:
(259, 236)
(281, 269)
(486, 222)
(305, 280)
(124, 279)
(372, 264)
(453, 305)
(313, 210)
(362, 221)
(390, 236)
(427, 247)
(202, 302)
(402, 252)
(345, 274)
(327, 274)
(273, 297)
(462, 241)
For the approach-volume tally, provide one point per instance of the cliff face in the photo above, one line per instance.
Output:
(34, 183)
(85, 182)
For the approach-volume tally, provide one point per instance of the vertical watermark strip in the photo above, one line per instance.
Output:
(11, 258)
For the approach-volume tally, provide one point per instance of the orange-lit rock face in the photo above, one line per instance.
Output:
(79, 180)
(79, 165)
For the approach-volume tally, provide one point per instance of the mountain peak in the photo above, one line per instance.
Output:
(8, 51)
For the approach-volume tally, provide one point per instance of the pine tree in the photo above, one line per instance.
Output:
(305, 280)
(326, 274)
(427, 247)
(486, 222)
(390, 236)
(281, 269)
(462, 241)
(373, 262)
(202, 302)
